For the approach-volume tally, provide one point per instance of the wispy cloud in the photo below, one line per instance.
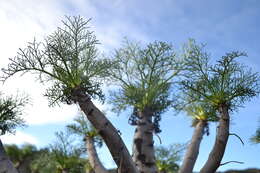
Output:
(20, 23)
(19, 138)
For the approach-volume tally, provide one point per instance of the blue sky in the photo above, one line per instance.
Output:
(223, 25)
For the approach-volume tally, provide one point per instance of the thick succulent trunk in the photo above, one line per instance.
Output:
(6, 166)
(93, 156)
(193, 148)
(107, 131)
(219, 147)
(143, 145)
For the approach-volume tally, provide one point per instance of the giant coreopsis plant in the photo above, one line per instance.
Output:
(10, 119)
(144, 76)
(201, 116)
(82, 127)
(68, 61)
(224, 86)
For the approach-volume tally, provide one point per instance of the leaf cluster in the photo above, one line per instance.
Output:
(46, 161)
(145, 76)
(68, 58)
(22, 156)
(227, 82)
(201, 112)
(18, 154)
(167, 158)
(65, 155)
(83, 128)
(10, 113)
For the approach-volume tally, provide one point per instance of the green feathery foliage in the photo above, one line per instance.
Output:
(10, 113)
(168, 158)
(61, 156)
(201, 112)
(44, 162)
(145, 77)
(82, 127)
(23, 156)
(53, 159)
(14, 153)
(68, 58)
(17, 154)
(197, 110)
(227, 82)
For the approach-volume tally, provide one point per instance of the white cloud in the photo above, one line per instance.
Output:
(19, 138)
(37, 111)
(21, 21)
(42, 114)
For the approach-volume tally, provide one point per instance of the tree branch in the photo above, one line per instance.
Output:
(158, 138)
(231, 162)
(237, 137)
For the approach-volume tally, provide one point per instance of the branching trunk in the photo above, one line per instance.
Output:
(6, 166)
(219, 147)
(93, 156)
(193, 148)
(107, 131)
(143, 145)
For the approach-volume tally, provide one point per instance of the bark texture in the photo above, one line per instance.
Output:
(93, 156)
(219, 147)
(143, 145)
(107, 131)
(193, 148)
(6, 166)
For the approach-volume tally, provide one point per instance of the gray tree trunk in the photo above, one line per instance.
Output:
(219, 147)
(193, 148)
(143, 145)
(6, 166)
(107, 131)
(93, 156)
